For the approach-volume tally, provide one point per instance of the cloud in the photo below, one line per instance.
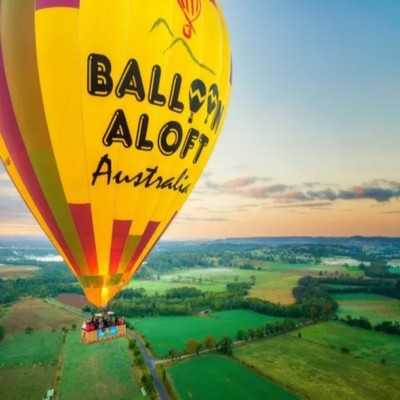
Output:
(266, 191)
(189, 218)
(304, 205)
(234, 185)
(251, 187)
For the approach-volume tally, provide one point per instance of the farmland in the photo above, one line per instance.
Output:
(368, 344)
(274, 281)
(372, 306)
(165, 333)
(22, 349)
(39, 315)
(216, 377)
(13, 271)
(28, 364)
(329, 360)
(291, 361)
(105, 370)
(26, 382)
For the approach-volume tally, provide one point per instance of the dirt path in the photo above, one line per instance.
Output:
(57, 377)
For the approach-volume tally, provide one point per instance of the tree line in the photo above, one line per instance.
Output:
(382, 286)
(49, 281)
(390, 327)
(312, 302)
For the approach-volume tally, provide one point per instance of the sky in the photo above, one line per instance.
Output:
(311, 141)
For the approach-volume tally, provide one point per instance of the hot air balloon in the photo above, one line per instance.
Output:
(192, 11)
(108, 115)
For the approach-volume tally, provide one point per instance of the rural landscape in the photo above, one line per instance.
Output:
(279, 318)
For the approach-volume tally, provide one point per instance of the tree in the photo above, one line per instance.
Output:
(251, 332)
(1, 333)
(147, 381)
(139, 360)
(225, 345)
(131, 344)
(241, 335)
(28, 329)
(260, 332)
(173, 354)
(209, 342)
(192, 346)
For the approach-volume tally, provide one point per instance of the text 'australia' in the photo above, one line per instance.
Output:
(147, 179)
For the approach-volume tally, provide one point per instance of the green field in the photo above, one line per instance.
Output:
(26, 382)
(320, 372)
(103, 370)
(36, 348)
(165, 333)
(368, 344)
(217, 377)
(28, 364)
(274, 281)
(375, 307)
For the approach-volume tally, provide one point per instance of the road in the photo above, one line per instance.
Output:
(150, 362)
(148, 359)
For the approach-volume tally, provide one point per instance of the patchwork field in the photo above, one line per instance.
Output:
(16, 271)
(28, 364)
(373, 306)
(273, 281)
(319, 372)
(165, 333)
(39, 315)
(217, 377)
(97, 372)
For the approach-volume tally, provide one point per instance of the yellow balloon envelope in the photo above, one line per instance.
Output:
(109, 111)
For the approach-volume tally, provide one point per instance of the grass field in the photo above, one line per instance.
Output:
(217, 377)
(318, 372)
(98, 371)
(26, 382)
(274, 281)
(373, 306)
(39, 315)
(368, 344)
(16, 271)
(36, 348)
(165, 333)
(28, 364)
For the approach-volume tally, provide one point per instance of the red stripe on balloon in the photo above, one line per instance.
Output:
(119, 237)
(15, 145)
(161, 235)
(144, 240)
(82, 216)
(40, 4)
